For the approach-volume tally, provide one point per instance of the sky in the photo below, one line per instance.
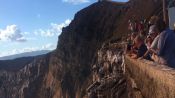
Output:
(31, 25)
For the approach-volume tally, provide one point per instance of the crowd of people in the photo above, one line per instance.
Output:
(152, 40)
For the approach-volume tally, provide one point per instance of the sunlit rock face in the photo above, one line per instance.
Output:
(67, 71)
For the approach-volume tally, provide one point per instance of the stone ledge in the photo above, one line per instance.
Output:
(154, 81)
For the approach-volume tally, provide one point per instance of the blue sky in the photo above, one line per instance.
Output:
(30, 25)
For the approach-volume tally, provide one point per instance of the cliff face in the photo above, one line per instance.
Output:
(66, 72)
(25, 82)
(80, 41)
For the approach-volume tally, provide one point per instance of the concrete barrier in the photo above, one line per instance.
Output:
(153, 80)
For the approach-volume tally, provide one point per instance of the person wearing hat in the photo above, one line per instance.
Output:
(153, 20)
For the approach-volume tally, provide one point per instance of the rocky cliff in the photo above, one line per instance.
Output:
(66, 72)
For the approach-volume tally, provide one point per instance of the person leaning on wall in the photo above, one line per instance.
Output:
(165, 46)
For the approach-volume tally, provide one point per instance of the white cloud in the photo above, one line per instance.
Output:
(58, 27)
(48, 46)
(12, 33)
(26, 33)
(44, 33)
(75, 2)
(21, 39)
(54, 30)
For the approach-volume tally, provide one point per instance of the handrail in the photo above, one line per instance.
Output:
(153, 80)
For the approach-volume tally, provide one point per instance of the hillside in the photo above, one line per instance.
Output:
(26, 54)
(67, 71)
(16, 64)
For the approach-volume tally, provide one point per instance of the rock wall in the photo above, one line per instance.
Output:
(109, 77)
(79, 42)
(153, 80)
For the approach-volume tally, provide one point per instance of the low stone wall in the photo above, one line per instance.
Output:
(153, 80)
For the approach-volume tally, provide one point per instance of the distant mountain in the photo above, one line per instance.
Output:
(26, 54)
(15, 64)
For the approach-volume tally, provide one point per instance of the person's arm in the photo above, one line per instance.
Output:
(134, 56)
(142, 51)
(154, 51)
(146, 53)
(134, 49)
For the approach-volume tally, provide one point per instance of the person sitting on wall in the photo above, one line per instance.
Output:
(140, 48)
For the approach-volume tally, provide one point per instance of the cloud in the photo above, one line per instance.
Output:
(48, 46)
(44, 33)
(75, 2)
(58, 27)
(12, 33)
(26, 33)
(54, 30)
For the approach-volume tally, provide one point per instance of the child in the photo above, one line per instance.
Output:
(140, 48)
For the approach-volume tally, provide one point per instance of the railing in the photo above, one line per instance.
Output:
(153, 80)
